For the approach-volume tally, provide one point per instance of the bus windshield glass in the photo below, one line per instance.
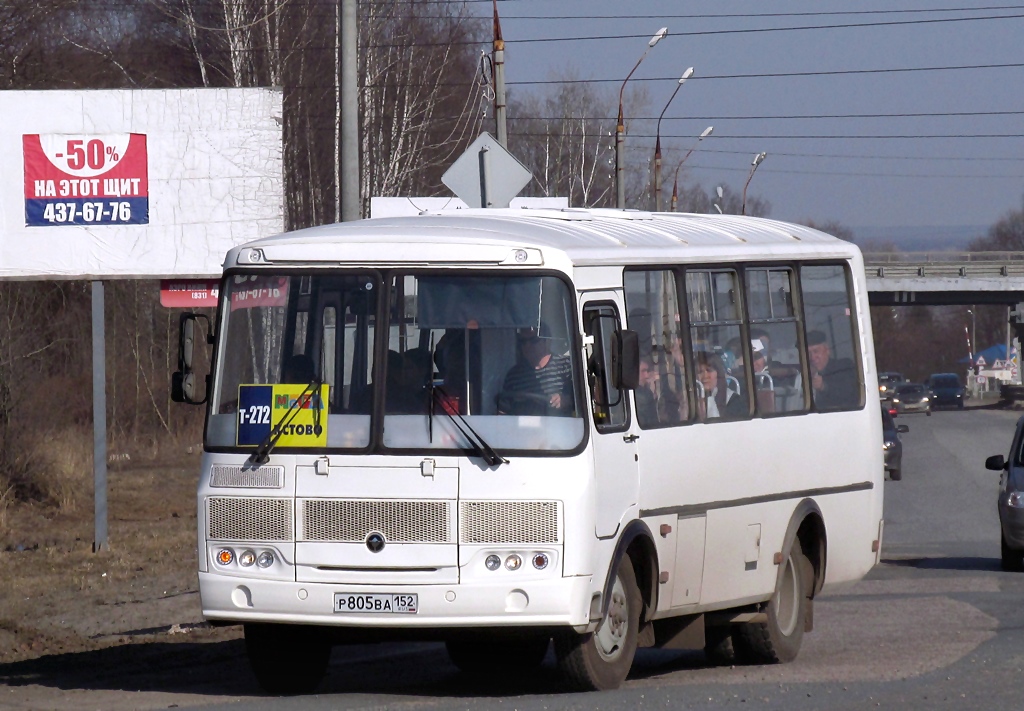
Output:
(445, 358)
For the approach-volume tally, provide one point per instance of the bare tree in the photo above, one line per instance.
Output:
(420, 104)
(570, 152)
(1006, 235)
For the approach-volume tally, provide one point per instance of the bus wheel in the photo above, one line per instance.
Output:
(601, 659)
(779, 639)
(494, 654)
(287, 659)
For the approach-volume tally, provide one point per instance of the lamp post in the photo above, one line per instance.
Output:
(620, 128)
(657, 142)
(971, 346)
(753, 166)
(675, 183)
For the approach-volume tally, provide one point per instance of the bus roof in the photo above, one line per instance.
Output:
(571, 237)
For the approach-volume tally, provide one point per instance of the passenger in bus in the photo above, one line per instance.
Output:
(540, 383)
(655, 405)
(834, 381)
(677, 380)
(719, 400)
(450, 359)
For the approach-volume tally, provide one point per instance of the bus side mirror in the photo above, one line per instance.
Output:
(996, 463)
(626, 359)
(183, 382)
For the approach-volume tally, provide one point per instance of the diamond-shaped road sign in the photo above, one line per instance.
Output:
(486, 175)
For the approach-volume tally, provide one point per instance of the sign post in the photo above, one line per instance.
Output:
(486, 175)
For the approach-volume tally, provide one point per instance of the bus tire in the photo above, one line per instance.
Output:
(287, 659)
(600, 660)
(493, 654)
(779, 639)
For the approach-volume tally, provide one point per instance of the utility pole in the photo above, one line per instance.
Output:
(350, 209)
(499, 82)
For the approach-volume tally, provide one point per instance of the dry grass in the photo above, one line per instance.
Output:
(51, 467)
(6, 500)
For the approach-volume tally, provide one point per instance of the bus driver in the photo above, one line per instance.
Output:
(540, 383)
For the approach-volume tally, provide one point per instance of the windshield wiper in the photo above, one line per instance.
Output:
(476, 442)
(263, 449)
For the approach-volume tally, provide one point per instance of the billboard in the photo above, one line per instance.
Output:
(136, 183)
(86, 179)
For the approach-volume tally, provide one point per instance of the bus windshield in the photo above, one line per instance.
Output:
(442, 357)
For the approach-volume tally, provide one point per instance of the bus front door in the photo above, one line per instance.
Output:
(614, 442)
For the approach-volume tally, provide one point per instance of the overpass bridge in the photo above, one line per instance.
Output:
(951, 278)
(945, 278)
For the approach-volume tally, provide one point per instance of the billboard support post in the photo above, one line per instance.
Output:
(99, 418)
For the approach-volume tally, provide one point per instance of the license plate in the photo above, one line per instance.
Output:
(379, 603)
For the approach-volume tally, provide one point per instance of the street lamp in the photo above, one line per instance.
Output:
(620, 128)
(675, 184)
(753, 166)
(657, 142)
(971, 345)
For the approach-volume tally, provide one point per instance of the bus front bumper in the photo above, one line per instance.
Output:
(551, 602)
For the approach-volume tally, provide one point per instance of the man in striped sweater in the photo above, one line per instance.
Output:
(540, 383)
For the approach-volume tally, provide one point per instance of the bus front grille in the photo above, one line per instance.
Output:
(249, 519)
(234, 476)
(527, 522)
(350, 521)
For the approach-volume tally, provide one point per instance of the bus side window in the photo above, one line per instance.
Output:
(652, 310)
(774, 342)
(830, 335)
(713, 297)
(609, 403)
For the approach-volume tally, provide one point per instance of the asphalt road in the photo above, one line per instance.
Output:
(937, 625)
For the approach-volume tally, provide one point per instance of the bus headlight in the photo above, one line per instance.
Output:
(540, 561)
(225, 556)
(265, 560)
(246, 558)
(513, 562)
(492, 562)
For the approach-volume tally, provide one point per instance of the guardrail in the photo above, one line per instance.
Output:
(897, 265)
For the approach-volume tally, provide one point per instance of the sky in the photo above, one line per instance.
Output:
(838, 108)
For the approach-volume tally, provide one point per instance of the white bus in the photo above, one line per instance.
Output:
(509, 430)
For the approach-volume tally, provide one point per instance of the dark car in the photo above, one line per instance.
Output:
(887, 383)
(1010, 502)
(892, 446)
(948, 390)
(912, 397)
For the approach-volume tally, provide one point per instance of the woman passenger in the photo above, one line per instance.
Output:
(719, 401)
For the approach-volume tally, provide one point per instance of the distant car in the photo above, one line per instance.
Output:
(892, 446)
(912, 397)
(887, 382)
(948, 390)
(1010, 502)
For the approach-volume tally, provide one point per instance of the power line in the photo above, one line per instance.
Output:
(717, 16)
(706, 33)
(840, 136)
(778, 117)
(773, 75)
